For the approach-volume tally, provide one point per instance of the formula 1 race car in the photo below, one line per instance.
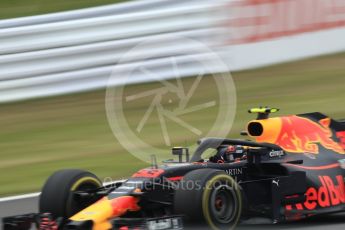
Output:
(295, 169)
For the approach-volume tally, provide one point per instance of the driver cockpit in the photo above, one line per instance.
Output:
(229, 154)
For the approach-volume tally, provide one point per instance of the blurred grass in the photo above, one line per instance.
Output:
(40, 136)
(21, 8)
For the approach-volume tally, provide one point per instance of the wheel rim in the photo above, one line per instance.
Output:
(222, 204)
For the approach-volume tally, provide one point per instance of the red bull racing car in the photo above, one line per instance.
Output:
(294, 169)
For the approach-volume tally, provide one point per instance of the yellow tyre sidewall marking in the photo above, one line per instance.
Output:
(206, 198)
(85, 180)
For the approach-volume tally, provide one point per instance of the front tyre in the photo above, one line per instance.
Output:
(57, 196)
(209, 197)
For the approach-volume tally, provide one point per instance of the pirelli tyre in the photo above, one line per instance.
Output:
(57, 196)
(208, 198)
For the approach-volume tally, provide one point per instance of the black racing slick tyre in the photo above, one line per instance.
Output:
(209, 198)
(57, 196)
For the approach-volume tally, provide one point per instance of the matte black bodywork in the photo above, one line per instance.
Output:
(276, 185)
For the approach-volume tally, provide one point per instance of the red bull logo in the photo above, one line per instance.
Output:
(303, 135)
(299, 135)
(329, 194)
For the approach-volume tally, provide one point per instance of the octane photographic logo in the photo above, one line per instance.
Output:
(177, 97)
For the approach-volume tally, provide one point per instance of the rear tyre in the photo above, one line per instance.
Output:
(209, 197)
(57, 194)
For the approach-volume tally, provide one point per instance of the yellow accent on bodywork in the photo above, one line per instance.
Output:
(104, 210)
(100, 213)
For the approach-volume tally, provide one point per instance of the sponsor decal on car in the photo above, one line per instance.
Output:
(235, 171)
(276, 153)
(300, 134)
(329, 194)
(297, 134)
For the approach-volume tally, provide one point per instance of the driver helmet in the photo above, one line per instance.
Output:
(230, 153)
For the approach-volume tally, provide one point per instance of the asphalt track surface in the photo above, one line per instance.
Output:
(329, 222)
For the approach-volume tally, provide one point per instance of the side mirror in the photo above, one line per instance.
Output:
(180, 151)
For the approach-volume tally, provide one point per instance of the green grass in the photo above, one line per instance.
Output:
(20, 8)
(40, 136)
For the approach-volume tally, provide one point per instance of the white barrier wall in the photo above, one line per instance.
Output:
(265, 32)
(77, 50)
